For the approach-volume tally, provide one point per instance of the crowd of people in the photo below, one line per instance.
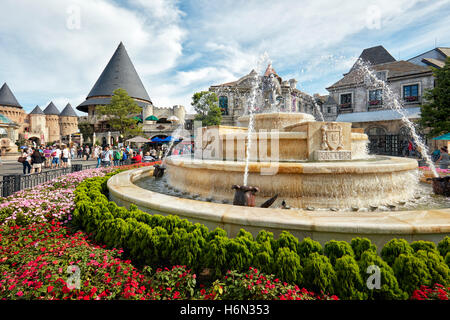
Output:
(36, 158)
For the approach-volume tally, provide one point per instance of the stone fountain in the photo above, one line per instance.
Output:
(307, 163)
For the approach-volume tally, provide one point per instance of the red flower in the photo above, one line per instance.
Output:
(50, 288)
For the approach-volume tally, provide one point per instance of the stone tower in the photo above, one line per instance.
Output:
(11, 108)
(52, 120)
(38, 123)
(68, 121)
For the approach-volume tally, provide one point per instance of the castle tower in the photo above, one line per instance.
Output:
(38, 123)
(179, 112)
(11, 108)
(52, 122)
(118, 73)
(68, 121)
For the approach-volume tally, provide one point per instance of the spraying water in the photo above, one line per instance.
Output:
(175, 135)
(316, 106)
(251, 103)
(393, 101)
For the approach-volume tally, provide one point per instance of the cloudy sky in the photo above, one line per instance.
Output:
(54, 50)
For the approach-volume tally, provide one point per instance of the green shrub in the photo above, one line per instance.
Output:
(318, 274)
(287, 265)
(394, 249)
(444, 246)
(349, 284)
(424, 245)
(436, 266)
(287, 240)
(360, 245)
(336, 249)
(308, 246)
(411, 272)
(389, 287)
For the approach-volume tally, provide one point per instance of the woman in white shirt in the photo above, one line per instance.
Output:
(27, 162)
(65, 156)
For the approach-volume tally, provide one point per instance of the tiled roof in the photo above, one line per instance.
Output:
(51, 109)
(37, 110)
(118, 73)
(395, 69)
(7, 98)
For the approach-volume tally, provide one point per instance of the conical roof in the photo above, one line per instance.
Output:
(68, 111)
(37, 110)
(7, 98)
(118, 73)
(51, 109)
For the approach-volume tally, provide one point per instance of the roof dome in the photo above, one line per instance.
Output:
(7, 98)
(51, 109)
(68, 112)
(118, 73)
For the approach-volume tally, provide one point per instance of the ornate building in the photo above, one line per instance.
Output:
(279, 95)
(39, 126)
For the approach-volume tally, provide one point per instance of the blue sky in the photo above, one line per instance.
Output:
(54, 50)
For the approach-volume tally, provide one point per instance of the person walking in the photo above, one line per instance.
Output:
(80, 152)
(86, 152)
(72, 152)
(47, 156)
(97, 151)
(444, 159)
(36, 160)
(65, 156)
(107, 157)
(56, 163)
(27, 161)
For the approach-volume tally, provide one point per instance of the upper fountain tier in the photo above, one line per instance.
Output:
(282, 137)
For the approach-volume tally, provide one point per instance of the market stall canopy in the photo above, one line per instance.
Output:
(173, 118)
(443, 137)
(138, 139)
(138, 119)
(151, 118)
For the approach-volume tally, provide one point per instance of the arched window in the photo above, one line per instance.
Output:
(223, 105)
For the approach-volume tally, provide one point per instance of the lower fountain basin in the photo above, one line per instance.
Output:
(341, 184)
(322, 226)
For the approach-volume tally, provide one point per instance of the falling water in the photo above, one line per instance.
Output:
(251, 110)
(393, 101)
(317, 107)
(175, 135)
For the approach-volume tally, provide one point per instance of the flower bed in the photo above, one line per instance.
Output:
(40, 258)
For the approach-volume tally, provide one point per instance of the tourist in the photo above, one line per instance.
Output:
(47, 156)
(97, 151)
(136, 158)
(153, 153)
(86, 152)
(436, 155)
(56, 154)
(444, 159)
(106, 157)
(36, 160)
(148, 157)
(65, 156)
(124, 156)
(27, 161)
(80, 152)
(72, 152)
(116, 157)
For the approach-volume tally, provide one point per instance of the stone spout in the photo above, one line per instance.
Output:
(244, 195)
(158, 172)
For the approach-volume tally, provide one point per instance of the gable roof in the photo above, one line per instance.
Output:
(51, 109)
(68, 111)
(37, 110)
(444, 50)
(375, 55)
(7, 98)
(118, 73)
(394, 69)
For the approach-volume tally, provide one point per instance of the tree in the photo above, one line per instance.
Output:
(208, 111)
(435, 114)
(120, 114)
(86, 129)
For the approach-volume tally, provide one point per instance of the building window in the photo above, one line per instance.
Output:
(381, 75)
(375, 97)
(411, 93)
(376, 131)
(223, 105)
(346, 100)
(328, 109)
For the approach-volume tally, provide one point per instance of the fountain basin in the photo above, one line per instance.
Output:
(322, 226)
(341, 184)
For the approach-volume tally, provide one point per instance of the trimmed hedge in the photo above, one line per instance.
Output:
(339, 268)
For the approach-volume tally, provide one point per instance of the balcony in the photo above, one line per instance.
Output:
(345, 108)
(412, 100)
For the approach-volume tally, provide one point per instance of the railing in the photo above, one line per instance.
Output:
(11, 183)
